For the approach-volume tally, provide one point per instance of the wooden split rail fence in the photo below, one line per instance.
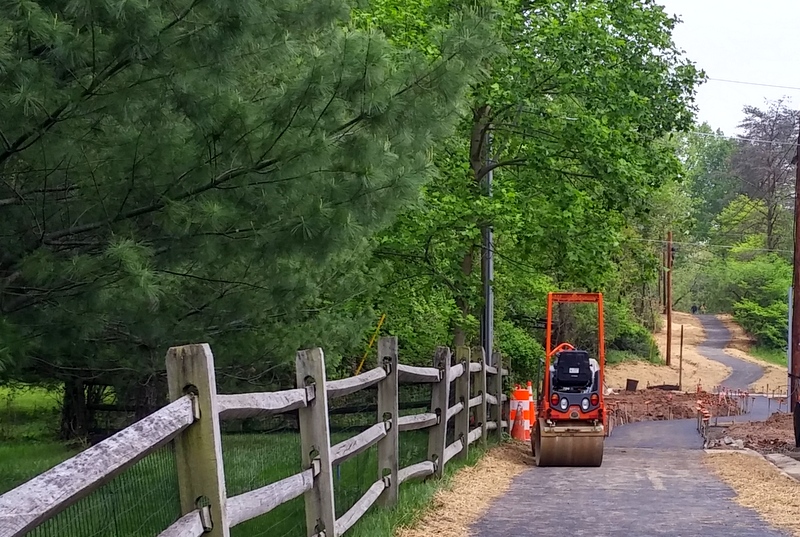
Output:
(192, 421)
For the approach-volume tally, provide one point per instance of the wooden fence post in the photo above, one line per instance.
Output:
(462, 394)
(315, 442)
(201, 478)
(497, 391)
(440, 400)
(481, 415)
(388, 411)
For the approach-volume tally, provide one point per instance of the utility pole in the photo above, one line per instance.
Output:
(794, 373)
(664, 264)
(487, 267)
(668, 301)
(680, 364)
(661, 282)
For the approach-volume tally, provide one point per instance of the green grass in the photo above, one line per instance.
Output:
(21, 461)
(25, 398)
(144, 499)
(28, 414)
(414, 500)
(614, 356)
(773, 356)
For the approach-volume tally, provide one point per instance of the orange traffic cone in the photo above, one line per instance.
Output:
(518, 427)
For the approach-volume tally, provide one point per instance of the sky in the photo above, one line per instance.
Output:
(755, 41)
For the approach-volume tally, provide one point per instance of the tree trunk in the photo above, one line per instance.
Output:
(74, 414)
(460, 335)
(639, 304)
(478, 162)
(149, 397)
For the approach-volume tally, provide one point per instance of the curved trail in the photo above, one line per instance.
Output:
(743, 373)
(652, 481)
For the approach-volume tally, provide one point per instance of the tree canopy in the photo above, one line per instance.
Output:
(200, 171)
(268, 176)
(740, 244)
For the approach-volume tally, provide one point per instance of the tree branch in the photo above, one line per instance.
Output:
(32, 135)
(220, 179)
(483, 172)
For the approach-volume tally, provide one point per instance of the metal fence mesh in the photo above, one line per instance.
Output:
(142, 501)
(258, 452)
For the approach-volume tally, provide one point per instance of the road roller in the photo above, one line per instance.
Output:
(569, 429)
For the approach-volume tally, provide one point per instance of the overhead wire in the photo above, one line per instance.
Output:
(706, 245)
(745, 83)
(742, 139)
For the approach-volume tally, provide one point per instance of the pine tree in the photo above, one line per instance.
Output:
(204, 171)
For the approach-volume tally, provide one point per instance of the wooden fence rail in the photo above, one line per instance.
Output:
(192, 422)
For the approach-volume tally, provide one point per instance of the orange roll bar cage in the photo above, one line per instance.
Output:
(560, 348)
(553, 298)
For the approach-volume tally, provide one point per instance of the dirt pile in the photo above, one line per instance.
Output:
(776, 434)
(654, 404)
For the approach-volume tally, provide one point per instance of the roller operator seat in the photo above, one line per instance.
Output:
(574, 371)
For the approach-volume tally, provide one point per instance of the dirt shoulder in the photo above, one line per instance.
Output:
(761, 487)
(471, 491)
(774, 435)
(774, 377)
(697, 369)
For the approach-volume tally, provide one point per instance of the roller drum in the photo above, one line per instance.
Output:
(572, 445)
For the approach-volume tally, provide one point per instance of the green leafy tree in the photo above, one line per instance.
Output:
(577, 116)
(711, 180)
(584, 176)
(749, 223)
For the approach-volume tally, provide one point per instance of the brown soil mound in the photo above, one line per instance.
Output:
(472, 489)
(654, 404)
(774, 435)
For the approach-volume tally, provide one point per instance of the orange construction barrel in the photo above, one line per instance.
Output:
(520, 413)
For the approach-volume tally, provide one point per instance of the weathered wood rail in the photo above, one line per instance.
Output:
(192, 422)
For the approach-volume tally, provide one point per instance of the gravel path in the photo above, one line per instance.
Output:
(652, 482)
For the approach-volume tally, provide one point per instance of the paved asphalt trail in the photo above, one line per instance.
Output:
(652, 483)
(743, 373)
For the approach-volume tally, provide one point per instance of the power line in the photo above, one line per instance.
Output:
(742, 139)
(753, 83)
(705, 245)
